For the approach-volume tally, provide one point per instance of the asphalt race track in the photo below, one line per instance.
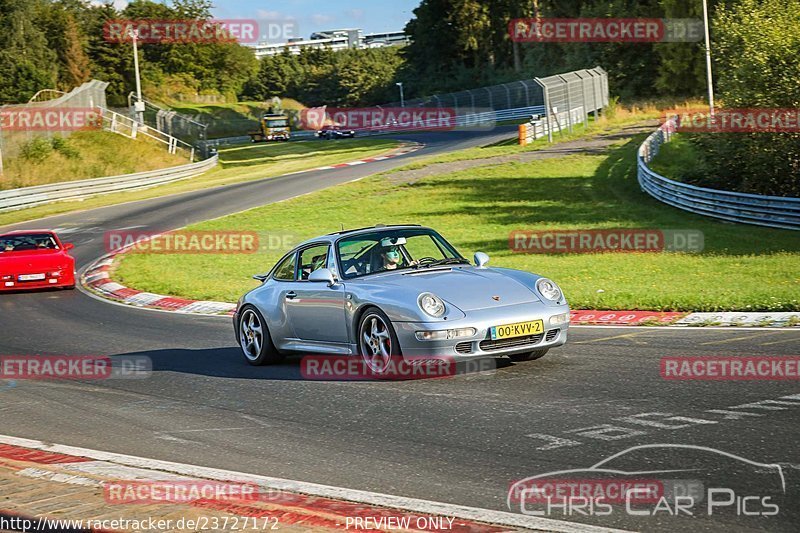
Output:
(461, 440)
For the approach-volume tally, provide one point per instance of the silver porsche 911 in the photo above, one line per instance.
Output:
(392, 291)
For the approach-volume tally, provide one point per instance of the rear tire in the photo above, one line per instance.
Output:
(530, 356)
(255, 340)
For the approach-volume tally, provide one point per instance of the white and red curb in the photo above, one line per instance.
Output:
(403, 150)
(291, 502)
(96, 279)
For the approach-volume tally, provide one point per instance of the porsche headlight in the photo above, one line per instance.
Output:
(548, 289)
(431, 304)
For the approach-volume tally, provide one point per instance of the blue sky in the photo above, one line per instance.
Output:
(313, 15)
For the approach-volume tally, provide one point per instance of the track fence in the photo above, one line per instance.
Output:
(562, 100)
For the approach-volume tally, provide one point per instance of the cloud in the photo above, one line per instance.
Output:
(321, 18)
(267, 14)
(355, 14)
(119, 4)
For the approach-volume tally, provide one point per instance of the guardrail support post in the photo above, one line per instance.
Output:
(546, 96)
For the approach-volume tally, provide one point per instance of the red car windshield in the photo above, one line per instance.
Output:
(28, 242)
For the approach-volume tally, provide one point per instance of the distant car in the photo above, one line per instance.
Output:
(335, 132)
(35, 259)
(390, 291)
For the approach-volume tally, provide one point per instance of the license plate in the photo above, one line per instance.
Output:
(31, 277)
(520, 329)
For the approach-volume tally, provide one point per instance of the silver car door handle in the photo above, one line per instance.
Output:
(291, 295)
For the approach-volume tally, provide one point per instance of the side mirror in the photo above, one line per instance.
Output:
(322, 274)
(481, 259)
(68, 246)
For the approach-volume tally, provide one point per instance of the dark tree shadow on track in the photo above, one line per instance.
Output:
(230, 363)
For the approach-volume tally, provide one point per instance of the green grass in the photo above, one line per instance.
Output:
(741, 268)
(82, 155)
(604, 125)
(230, 119)
(680, 160)
(238, 163)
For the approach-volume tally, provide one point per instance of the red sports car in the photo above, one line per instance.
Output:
(35, 259)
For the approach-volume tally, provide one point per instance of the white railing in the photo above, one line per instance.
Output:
(118, 123)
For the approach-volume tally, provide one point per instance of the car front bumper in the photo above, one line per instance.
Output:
(47, 283)
(481, 344)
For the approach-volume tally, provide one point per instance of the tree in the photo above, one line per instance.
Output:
(27, 64)
(76, 62)
(756, 51)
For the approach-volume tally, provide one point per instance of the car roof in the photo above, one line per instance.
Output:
(331, 237)
(26, 232)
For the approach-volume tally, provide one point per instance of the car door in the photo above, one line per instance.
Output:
(272, 300)
(315, 310)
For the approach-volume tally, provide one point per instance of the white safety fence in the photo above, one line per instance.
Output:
(118, 123)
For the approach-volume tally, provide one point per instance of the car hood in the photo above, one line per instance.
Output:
(34, 259)
(467, 288)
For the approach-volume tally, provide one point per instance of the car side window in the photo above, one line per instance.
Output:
(285, 271)
(312, 259)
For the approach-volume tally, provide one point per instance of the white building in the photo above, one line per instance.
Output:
(341, 39)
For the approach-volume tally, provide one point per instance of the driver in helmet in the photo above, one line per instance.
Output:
(391, 258)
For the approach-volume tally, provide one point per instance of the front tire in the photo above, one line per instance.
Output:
(255, 340)
(377, 341)
(529, 356)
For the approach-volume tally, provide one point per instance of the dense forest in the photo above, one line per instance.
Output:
(455, 45)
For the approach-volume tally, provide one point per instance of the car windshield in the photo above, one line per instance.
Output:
(386, 250)
(27, 241)
(277, 123)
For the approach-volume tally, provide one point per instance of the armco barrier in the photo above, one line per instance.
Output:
(70, 190)
(772, 211)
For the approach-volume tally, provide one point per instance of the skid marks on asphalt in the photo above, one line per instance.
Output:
(627, 336)
(643, 424)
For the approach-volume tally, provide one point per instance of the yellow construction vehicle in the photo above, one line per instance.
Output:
(272, 127)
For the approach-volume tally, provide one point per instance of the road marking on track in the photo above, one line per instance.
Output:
(624, 336)
(427, 507)
(737, 339)
(793, 339)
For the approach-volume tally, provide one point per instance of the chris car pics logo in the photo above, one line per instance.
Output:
(657, 480)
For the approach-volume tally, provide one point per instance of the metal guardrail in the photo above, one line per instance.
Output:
(69, 190)
(772, 211)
